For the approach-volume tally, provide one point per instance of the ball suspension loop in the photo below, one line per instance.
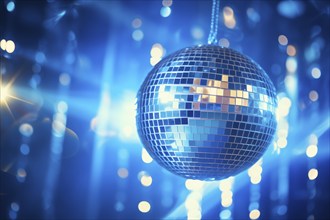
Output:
(212, 39)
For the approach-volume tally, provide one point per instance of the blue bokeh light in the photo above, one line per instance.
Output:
(165, 11)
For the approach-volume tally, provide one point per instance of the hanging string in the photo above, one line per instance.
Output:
(212, 39)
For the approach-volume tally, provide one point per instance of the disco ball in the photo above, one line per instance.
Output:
(206, 112)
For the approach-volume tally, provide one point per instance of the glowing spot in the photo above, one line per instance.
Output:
(311, 151)
(10, 46)
(228, 11)
(154, 61)
(137, 35)
(254, 214)
(119, 206)
(144, 206)
(193, 200)
(26, 129)
(291, 65)
(146, 180)
(226, 202)
(127, 131)
(316, 73)
(157, 50)
(285, 102)
(3, 43)
(282, 142)
(10, 6)
(291, 82)
(256, 179)
(141, 174)
(311, 217)
(313, 96)
(226, 184)
(283, 108)
(283, 125)
(313, 139)
(194, 214)
(12, 214)
(224, 42)
(65, 79)
(14, 206)
(136, 23)
(291, 9)
(282, 133)
(58, 125)
(226, 195)
(229, 18)
(4, 93)
(291, 50)
(197, 33)
(281, 210)
(253, 15)
(25, 149)
(100, 130)
(122, 173)
(225, 214)
(40, 57)
(194, 184)
(255, 171)
(165, 11)
(283, 40)
(313, 173)
(167, 3)
(62, 107)
(21, 173)
(93, 124)
(146, 158)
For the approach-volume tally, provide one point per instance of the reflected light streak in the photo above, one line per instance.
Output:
(104, 116)
(56, 148)
(98, 156)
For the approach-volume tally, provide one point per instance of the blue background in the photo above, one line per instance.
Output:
(92, 44)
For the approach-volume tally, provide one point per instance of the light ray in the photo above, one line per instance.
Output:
(6, 95)
(8, 108)
(19, 99)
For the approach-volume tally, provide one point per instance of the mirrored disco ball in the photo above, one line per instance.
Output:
(206, 112)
